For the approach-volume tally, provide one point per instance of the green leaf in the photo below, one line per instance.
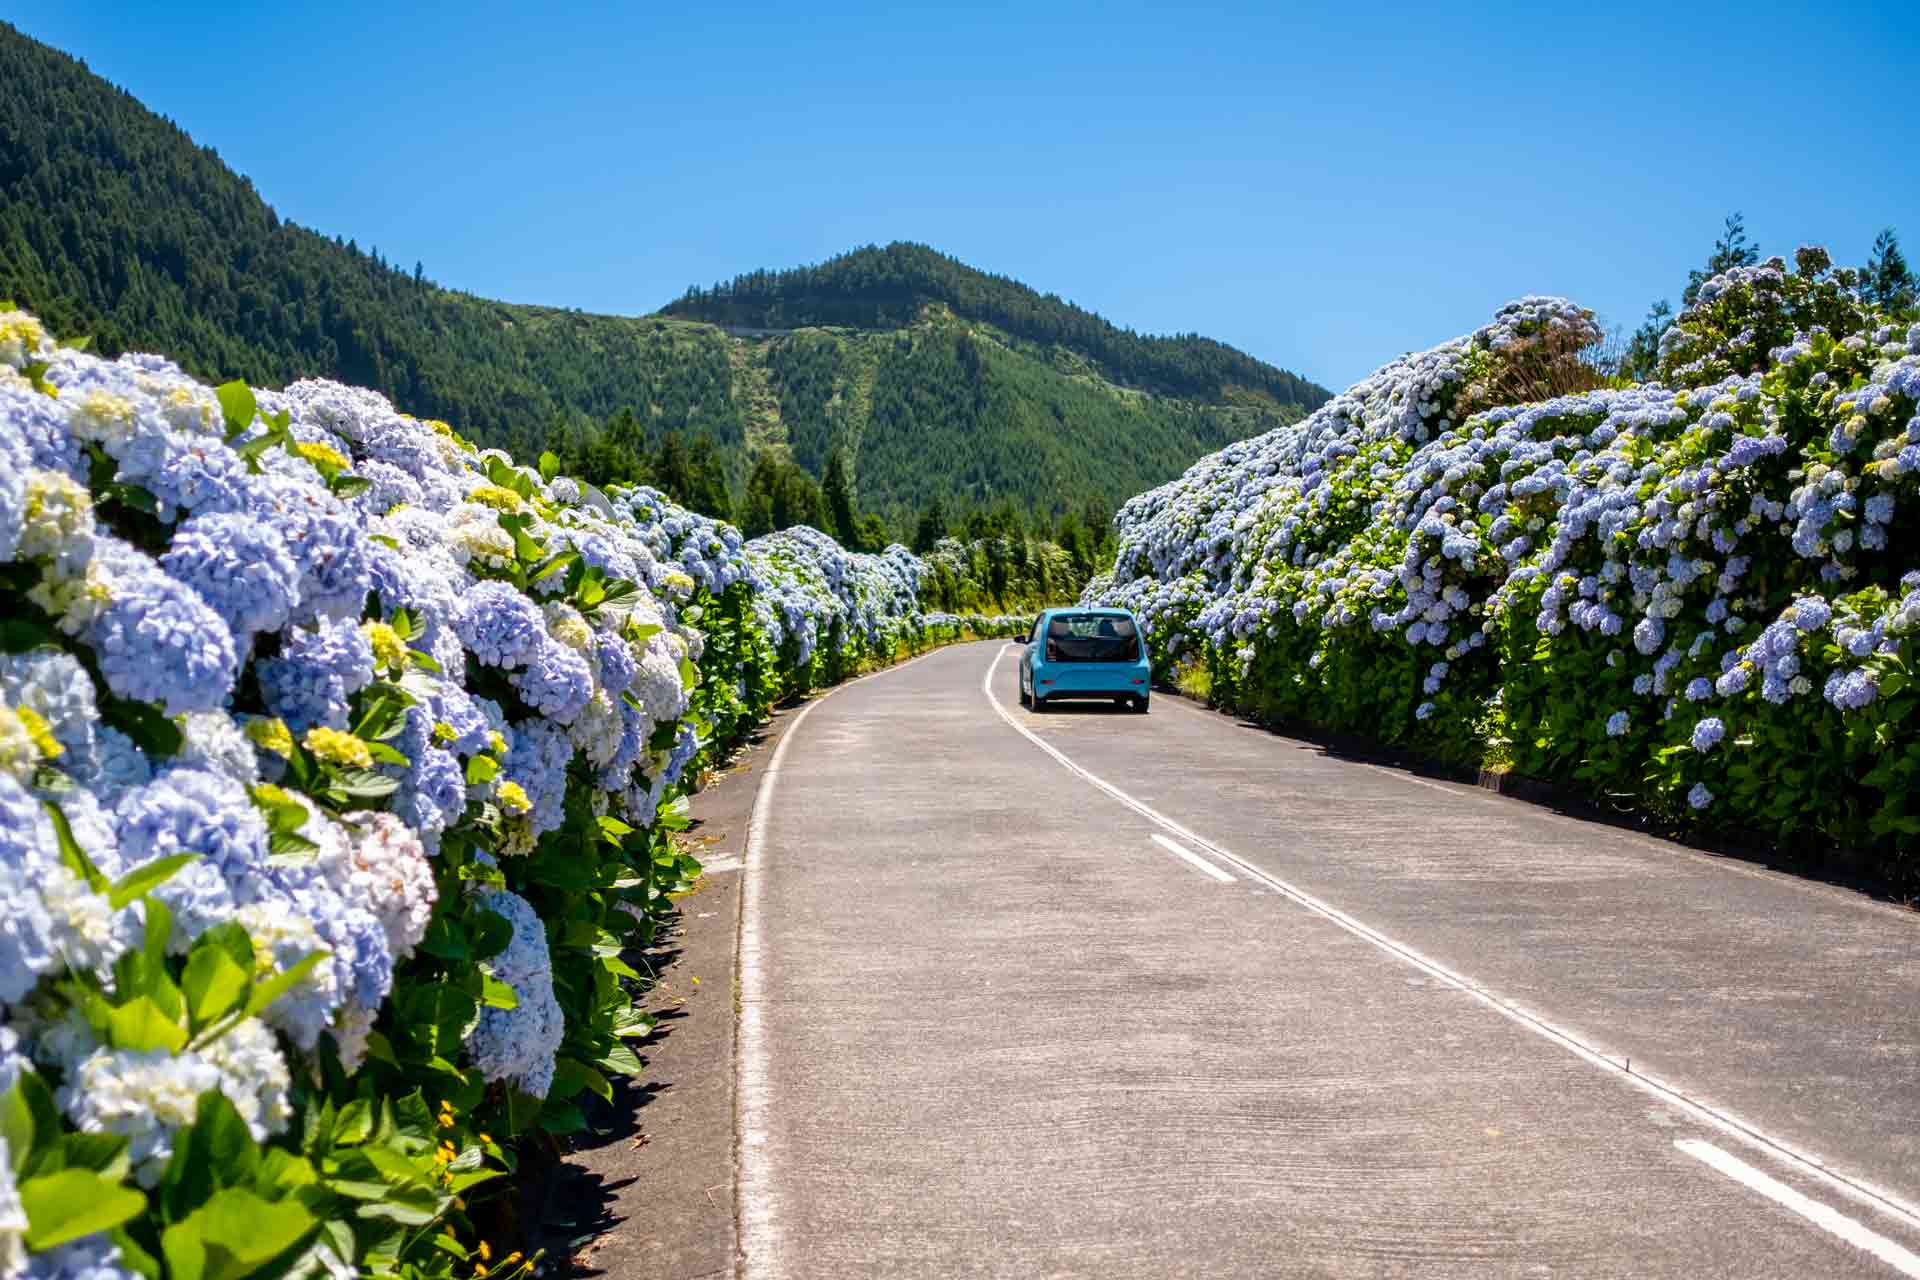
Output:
(235, 1234)
(145, 878)
(141, 721)
(18, 635)
(135, 1258)
(549, 466)
(64, 1206)
(265, 993)
(71, 854)
(234, 940)
(496, 994)
(551, 565)
(290, 849)
(364, 784)
(622, 1060)
(104, 1153)
(482, 769)
(16, 1127)
(213, 985)
(490, 932)
(142, 1025)
(344, 485)
(355, 1124)
(237, 405)
(159, 929)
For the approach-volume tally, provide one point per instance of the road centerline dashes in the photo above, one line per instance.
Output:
(1823, 1216)
(1187, 855)
(1803, 1163)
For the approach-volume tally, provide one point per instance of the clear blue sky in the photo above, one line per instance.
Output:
(1325, 187)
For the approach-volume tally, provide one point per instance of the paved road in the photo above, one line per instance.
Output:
(1167, 996)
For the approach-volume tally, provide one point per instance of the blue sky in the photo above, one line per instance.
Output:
(1323, 186)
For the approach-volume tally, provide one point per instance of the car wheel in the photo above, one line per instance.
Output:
(1023, 696)
(1140, 705)
(1038, 703)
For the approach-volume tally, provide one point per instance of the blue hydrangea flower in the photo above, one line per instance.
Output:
(502, 627)
(157, 640)
(519, 1045)
(316, 672)
(240, 567)
(555, 682)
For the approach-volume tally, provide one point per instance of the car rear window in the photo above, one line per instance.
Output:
(1092, 637)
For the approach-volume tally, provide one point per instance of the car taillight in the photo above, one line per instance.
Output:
(1053, 653)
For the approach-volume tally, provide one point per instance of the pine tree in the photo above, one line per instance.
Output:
(932, 528)
(1732, 249)
(1887, 281)
(673, 469)
(1642, 358)
(839, 496)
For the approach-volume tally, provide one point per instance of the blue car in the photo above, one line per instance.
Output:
(1085, 653)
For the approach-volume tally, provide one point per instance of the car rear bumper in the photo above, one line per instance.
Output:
(1091, 680)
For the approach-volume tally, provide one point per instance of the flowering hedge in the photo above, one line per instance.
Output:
(337, 764)
(1697, 594)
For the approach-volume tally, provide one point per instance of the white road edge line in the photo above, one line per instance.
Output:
(1703, 1113)
(754, 1215)
(1199, 863)
(1900, 1259)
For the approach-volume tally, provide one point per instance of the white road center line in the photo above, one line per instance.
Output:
(1199, 863)
(1725, 1122)
(1902, 1260)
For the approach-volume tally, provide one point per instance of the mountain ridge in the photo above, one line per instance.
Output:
(117, 225)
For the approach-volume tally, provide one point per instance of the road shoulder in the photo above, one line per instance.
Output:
(650, 1193)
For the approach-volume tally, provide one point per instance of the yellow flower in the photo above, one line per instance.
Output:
(513, 798)
(444, 732)
(58, 513)
(493, 495)
(106, 416)
(389, 650)
(19, 755)
(679, 583)
(320, 455)
(20, 336)
(496, 742)
(268, 794)
(271, 734)
(40, 733)
(337, 747)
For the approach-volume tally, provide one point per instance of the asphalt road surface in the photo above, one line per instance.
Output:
(1093, 994)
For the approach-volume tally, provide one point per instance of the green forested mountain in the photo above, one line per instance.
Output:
(874, 288)
(929, 379)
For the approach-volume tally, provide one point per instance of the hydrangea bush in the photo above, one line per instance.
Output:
(338, 762)
(1699, 594)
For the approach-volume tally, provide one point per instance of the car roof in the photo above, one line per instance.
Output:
(1100, 612)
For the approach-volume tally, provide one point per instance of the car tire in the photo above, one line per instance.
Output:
(1140, 706)
(1023, 696)
(1037, 704)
